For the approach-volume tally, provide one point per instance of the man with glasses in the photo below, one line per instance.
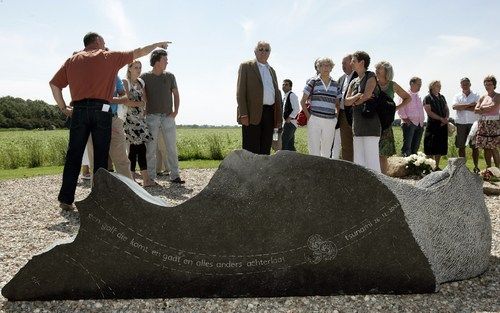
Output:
(259, 101)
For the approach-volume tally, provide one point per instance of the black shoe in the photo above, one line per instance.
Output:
(178, 180)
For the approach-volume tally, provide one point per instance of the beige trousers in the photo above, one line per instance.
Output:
(117, 149)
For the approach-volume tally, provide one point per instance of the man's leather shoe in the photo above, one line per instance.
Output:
(178, 180)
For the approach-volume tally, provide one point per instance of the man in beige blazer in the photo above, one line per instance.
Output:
(259, 101)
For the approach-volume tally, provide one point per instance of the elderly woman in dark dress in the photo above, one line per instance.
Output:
(436, 131)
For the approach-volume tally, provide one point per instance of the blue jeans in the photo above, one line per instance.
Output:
(167, 123)
(412, 134)
(87, 119)
(288, 137)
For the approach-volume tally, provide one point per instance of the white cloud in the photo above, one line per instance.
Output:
(115, 12)
(299, 11)
(454, 45)
(248, 26)
(355, 26)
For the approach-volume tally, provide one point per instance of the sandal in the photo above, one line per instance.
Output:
(150, 184)
(476, 170)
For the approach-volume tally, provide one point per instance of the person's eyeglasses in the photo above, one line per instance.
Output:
(264, 49)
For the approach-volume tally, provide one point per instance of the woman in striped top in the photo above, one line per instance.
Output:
(323, 93)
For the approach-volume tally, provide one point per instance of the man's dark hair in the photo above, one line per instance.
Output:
(362, 56)
(289, 82)
(90, 38)
(156, 56)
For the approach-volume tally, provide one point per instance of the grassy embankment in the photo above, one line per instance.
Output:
(32, 153)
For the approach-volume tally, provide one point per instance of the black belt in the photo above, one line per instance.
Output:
(91, 104)
(89, 100)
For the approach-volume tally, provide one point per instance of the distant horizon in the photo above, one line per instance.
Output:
(430, 39)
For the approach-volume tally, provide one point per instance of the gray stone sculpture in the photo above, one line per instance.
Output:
(282, 225)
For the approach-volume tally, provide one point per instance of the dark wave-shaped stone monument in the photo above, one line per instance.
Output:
(282, 225)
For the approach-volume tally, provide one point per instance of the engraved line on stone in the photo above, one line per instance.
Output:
(395, 204)
(200, 273)
(190, 252)
(86, 270)
(100, 278)
(365, 235)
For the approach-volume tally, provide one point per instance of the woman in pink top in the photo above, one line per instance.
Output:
(488, 128)
(412, 119)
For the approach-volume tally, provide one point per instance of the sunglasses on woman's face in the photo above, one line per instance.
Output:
(264, 49)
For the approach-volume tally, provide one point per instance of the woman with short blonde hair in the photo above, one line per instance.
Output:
(324, 94)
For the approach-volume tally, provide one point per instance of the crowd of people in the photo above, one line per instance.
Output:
(129, 122)
(336, 125)
(100, 125)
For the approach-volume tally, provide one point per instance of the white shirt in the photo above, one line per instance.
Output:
(464, 116)
(267, 84)
(294, 101)
(345, 86)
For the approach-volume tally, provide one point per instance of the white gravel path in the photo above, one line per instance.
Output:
(30, 221)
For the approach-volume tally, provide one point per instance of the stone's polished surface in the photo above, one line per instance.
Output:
(257, 229)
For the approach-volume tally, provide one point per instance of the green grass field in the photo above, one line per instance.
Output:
(43, 152)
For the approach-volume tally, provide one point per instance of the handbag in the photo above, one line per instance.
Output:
(301, 117)
(386, 110)
(369, 108)
(383, 106)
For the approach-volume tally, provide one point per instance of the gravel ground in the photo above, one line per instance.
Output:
(30, 220)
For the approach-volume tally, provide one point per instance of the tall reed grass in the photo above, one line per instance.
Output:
(46, 148)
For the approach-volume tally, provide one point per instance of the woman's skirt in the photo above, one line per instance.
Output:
(488, 134)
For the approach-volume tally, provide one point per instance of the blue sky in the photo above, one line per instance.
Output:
(443, 40)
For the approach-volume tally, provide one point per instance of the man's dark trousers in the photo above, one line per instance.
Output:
(288, 137)
(259, 138)
(87, 118)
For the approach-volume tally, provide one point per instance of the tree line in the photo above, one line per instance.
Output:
(29, 114)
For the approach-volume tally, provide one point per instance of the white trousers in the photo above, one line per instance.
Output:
(337, 145)
(320, 134)
(366, 152)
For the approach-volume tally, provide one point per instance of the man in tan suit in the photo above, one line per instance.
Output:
(259, 101)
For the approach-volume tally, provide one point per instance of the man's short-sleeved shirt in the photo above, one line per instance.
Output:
(465, 116)
(159, 92)
(91, 74)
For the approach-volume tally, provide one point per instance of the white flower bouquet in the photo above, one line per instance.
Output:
(419, 164)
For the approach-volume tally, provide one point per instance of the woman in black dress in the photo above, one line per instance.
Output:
(436, 131)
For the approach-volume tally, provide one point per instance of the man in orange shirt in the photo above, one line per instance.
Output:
(90, 75)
